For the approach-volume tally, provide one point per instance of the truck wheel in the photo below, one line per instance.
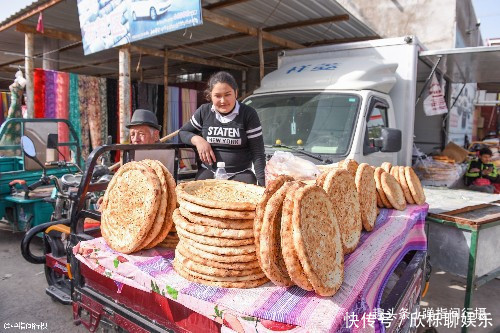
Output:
(152, 14)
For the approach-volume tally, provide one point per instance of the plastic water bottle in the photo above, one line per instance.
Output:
(221, 173)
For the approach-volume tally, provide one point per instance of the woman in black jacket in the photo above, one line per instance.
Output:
(226, 131)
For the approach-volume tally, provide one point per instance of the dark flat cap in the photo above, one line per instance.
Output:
(144, 117)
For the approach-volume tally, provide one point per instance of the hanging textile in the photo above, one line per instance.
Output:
(39, 97)
(160, 112)
(147, 96)
(50, 94)
(94, 111)
(112, 107)
(2, 116)
(83, 87)
(74, 108)
(193, 100)
(62, 112)
(12, 135)
(186, 106)
(173, 106)
(103, 108)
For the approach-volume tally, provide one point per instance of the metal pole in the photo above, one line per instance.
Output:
(429, 78)
(124, 93)
(471, 272)
(29, 46)
(166, 114)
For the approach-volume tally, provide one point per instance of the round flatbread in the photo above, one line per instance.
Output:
(271, 188)
(211, 263)
(387, 166)
(321, 178)
(404, 185)
(130, 207)
(168, 223)
(224, 284)
(380, 191)
(212, 271)
(214, 241)
(220, 258)
(341, 189)
(379, 201)
(365, 185)
(350, 165)
(171, 244)
(207, 277)
(215, 222)
(222, 194)
(317, 240)
(393, 191)
(216, 212)
(221, 250)
(160, 216)
(292, 262)
(416, 189)
(271, 259)
(210, 231)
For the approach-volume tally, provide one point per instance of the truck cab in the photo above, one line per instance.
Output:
(351, 101)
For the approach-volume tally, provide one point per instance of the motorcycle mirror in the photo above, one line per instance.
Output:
(28, 146)
(29, 150)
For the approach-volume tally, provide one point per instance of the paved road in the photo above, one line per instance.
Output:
(22, 291)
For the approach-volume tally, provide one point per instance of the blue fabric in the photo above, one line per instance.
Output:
(173, 105)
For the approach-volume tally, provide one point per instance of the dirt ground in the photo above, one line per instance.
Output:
(22, 291)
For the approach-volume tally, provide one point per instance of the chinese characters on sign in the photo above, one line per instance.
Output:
(427, 317)
(320, 67)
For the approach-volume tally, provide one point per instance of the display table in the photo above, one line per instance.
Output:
(464, 242)
(247, 310)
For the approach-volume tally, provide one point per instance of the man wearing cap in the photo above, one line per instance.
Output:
(144, 128)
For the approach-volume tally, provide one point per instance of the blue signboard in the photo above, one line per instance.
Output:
(109, 23)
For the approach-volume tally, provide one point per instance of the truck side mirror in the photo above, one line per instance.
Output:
(389, 141)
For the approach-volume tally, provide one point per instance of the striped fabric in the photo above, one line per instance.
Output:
(365, 274)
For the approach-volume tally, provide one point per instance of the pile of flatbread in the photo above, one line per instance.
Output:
(214, 223)
(298, 238)
(397, 186)
(137, 206)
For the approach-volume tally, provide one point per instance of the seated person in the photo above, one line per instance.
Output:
(481, 174)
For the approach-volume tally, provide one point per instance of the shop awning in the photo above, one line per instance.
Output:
(467, 65)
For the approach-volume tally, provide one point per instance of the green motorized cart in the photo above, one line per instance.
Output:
(24, 200)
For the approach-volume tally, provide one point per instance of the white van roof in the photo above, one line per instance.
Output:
(357, 73)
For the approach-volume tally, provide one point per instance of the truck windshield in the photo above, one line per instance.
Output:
(318, 122)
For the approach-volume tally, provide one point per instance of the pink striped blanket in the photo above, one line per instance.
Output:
(266, 307)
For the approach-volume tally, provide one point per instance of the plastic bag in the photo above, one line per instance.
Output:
(285, 163)
(435, 173)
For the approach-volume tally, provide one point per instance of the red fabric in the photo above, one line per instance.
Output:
(39, 87)
(482, 182)
(39, 26)
(497, 188)
(62, 111)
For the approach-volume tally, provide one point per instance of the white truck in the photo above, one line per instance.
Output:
(354, 100)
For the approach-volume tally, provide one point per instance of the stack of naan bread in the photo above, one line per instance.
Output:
(302, 232)
(399, 185)
(215, 226)
(137, 206)
(298, 237)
